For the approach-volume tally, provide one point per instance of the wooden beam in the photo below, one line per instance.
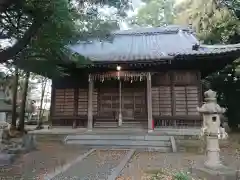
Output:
(173, 99)
(90, 103)
(200, 94)
(75, 112)
(173, 96)
(149, 101)
(52, 106)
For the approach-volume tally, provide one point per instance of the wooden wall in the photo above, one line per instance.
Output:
(175, 96)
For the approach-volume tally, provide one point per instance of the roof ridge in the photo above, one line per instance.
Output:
(220, 46)
(170, 29)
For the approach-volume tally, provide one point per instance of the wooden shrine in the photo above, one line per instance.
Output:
(141, 76)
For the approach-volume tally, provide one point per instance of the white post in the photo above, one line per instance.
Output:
(90, 104)
(149, 101)
(120, 104)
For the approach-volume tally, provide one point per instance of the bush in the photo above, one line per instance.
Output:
(167, 175)
(181, 176)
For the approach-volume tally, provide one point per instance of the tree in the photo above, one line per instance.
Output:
(58, 21)
(43, 81)
(155, 13)
(212, 23)
(14, 99)
(23, 103)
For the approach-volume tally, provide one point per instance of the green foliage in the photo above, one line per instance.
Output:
(181, 176)
(165, 174)
(59, 23)
(212, 23)
(155, 13)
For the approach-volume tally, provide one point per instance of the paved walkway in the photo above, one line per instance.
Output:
(45, 159)
(99, 165)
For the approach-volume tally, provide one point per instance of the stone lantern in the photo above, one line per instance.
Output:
(211, 112)
(211, 129)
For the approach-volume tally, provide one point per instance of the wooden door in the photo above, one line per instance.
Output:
(140, 104)
(128, 104)
(108, 102)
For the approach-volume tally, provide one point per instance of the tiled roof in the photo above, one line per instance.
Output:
(146, 44)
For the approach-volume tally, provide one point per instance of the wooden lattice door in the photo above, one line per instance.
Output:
(140, 103)
(127, 104)
(108, 102)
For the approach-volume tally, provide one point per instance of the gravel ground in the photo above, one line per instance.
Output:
(48, 156)
(97, 166)
(149, 161)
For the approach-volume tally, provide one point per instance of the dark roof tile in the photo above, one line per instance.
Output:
(146, 44)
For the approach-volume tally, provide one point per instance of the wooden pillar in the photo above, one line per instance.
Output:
(75, 113)
(173, 96)
(120, 104)
(90, 103)
(200, 90)
(52, 106)
(149, 101)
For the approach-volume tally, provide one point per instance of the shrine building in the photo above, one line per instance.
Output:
(138, 78)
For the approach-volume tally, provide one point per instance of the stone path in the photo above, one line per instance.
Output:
(99, 165)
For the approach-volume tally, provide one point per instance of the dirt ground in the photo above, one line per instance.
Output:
(53, 154)
(143, 162)
(34, 165)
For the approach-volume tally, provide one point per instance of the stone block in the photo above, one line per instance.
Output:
(29, 142)
(15, 150)
(6, 159)
(223, 173)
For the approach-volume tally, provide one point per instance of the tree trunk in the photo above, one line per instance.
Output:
(23, 103)
(40, 117)
(14, 99)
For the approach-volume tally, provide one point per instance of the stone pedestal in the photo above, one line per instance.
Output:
(213, 158)
(222, 173)
(6, 159)
(120, 119)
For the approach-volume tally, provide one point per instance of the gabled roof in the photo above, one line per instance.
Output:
(147, 44)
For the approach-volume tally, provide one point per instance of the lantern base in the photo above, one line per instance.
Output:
(222, 172)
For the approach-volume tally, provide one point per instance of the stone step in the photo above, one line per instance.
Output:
(106, 124)
(50, 137)
(139, 148)
(148, 142)
(128, 143)
(125, 124)
(117, 137)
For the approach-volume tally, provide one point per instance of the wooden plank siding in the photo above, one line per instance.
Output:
(175, 96)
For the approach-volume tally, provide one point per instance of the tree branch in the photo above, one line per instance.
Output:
(5, 4)
(10, 52)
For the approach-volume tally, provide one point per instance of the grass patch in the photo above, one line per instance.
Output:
(166, 174)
